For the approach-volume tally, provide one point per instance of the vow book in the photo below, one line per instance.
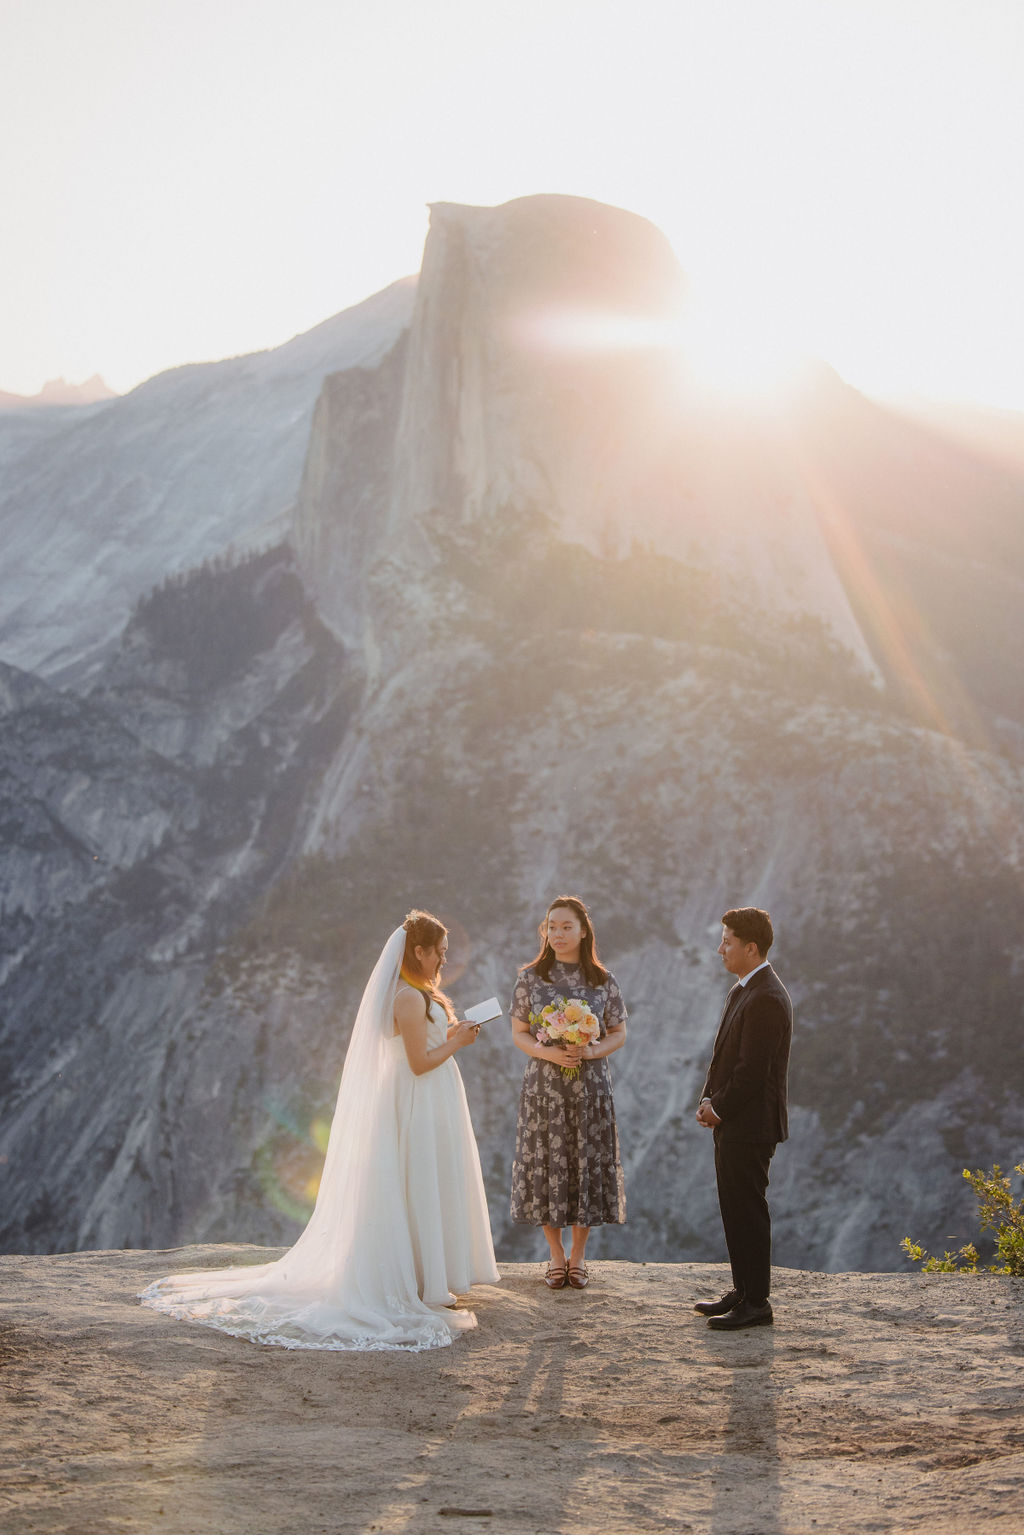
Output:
(484, 1012)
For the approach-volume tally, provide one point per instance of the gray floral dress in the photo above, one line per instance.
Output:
(567, 1170)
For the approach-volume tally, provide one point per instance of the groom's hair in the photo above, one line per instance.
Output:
(751, 925)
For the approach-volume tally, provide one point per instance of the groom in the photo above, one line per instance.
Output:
(744, 1102)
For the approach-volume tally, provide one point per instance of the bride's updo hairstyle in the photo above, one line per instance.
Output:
(424, 931)
(590, 964)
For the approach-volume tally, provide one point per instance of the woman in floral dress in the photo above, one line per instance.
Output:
(567, 1170)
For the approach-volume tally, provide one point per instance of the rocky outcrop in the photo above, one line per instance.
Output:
(578, 1413)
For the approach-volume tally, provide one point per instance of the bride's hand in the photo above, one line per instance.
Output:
(463, 1032)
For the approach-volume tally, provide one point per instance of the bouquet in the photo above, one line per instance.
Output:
(566, 1022)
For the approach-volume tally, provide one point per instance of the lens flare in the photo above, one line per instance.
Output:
(725, 349)
(289, 1164)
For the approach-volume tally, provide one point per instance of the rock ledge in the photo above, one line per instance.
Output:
(879, 1402)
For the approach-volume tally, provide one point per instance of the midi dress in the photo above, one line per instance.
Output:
(567, 1169)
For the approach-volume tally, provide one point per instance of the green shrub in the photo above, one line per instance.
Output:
(998, 1213)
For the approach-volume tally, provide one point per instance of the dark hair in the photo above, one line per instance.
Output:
(592, 966)
(751, 925)
(425, 931)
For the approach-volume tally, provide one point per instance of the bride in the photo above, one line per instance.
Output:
(400, 1226)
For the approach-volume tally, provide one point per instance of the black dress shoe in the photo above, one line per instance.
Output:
(718, 1307)
(746, 1314)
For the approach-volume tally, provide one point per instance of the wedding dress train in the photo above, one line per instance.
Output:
(400, 1226)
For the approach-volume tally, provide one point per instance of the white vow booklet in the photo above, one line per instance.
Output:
(484, 1012)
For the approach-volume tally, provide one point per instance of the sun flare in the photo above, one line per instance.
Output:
(737, 351)
(726, 349)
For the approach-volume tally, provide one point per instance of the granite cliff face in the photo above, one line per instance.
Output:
(538, 377)
(540, 621)
(101, 502)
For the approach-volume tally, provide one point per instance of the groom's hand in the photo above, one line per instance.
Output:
(706, 1115)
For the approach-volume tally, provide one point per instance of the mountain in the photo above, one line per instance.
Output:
(496, 416)
(990, 432)
(537, 619)
(124, 859)
(100, 505)
(928, 537)
(57, 391)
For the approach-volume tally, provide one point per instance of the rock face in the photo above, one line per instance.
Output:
(543, 620)
(100, 503)
(538, 377)
(123, 860)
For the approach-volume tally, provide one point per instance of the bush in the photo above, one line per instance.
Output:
(997, 1213)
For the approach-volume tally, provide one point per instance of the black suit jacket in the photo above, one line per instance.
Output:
(747, 1080)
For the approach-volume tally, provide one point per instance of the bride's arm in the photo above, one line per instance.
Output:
(411, 1018)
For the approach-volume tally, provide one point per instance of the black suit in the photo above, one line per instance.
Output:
(747, 1086)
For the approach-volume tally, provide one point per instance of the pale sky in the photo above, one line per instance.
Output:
(189, 179)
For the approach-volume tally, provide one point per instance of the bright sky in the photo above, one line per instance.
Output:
(190, 179)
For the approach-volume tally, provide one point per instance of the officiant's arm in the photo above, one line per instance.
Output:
(524, 1041)
(411, 1018)
(612, 1041)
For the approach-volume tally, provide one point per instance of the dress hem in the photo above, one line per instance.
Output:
(524, 1220)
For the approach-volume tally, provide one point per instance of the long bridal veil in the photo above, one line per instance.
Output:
(350, 1280)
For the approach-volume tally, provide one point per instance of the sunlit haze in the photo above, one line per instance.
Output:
(190, 179)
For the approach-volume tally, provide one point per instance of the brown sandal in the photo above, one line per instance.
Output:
(579, 1278)
(556, 1277)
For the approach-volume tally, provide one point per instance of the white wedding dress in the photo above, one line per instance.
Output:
(400, 1227)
